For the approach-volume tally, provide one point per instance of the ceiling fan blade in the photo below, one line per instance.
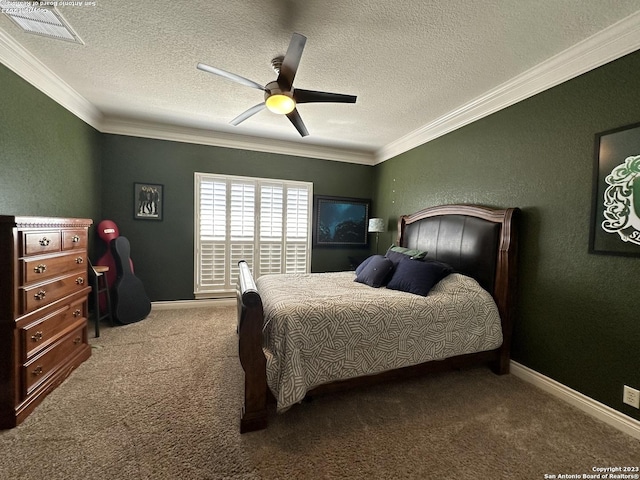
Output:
(247, 113)
(230, 76)
(295, 118)
(309, 96)
(291, 61)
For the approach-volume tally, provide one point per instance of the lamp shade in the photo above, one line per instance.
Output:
(376, 225)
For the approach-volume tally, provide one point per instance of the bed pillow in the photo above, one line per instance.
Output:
(413, 253)
(364, 263)
(375, 272)
(397, 254)
(418, 277)
(396, 257)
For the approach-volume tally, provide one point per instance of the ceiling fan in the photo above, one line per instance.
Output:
(280, 96)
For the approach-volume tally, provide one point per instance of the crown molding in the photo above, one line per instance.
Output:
(607, 45)
(202, 136)
(613, 42)
(25, 65)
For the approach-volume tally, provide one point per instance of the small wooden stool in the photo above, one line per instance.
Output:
(100, 285)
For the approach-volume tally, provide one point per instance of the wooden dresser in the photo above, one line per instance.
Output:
(44, 288)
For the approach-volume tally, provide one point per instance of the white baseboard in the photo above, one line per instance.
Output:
(588, 405)
(176, 304)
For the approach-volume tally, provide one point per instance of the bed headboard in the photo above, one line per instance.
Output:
(477, 241)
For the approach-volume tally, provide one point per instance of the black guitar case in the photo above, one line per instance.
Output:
(130, 301)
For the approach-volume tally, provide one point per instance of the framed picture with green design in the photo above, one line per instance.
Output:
(615, 208)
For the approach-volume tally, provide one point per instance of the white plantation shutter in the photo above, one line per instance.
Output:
(242, 232)
(211, 230)
(298, 230)
(265, 222)
(271, 221)
(242, 214)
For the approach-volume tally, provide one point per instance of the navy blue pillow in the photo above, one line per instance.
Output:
(375, 272)
(397, 257)
(418, 277)
(364, 264)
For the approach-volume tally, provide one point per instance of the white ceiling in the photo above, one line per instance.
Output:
(420, 68)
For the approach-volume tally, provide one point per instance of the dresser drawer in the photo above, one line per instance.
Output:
(39, 335)
(44, 289)
(37, 243)
(32, 298)
(38, 269)
(74, 239)
(44, 365)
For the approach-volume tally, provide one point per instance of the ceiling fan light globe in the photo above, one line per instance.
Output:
(280, 103)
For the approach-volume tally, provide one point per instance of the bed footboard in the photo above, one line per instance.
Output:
(252, 359)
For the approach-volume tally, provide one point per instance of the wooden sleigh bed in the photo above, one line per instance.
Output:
(477, 242)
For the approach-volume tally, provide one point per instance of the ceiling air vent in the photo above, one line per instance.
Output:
(34, 18)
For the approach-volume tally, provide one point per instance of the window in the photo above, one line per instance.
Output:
(263, 221)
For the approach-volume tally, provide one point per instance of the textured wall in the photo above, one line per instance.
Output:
(163, 251)
(578, 318)
(48, 159)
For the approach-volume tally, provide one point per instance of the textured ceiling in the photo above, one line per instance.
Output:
(410, 62)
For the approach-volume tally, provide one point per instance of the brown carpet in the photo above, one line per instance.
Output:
(160, 399)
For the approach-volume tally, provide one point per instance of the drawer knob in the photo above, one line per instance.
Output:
(40, 268)
(79, 280)
(77, 340)
(44, 241)
(77, 313)
(79, 260)
(36, 337)
(38, 370)
(75, 239)
(40, 295)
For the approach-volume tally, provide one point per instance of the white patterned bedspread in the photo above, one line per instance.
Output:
(322, 327)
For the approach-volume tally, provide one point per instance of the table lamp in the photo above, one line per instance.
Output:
(376, 225)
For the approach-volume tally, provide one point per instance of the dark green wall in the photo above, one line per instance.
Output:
(48, 157)
(163, 251)
(579, 314)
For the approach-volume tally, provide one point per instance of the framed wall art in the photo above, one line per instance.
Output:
(340, 221)
(148, 202)
(615, 210)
